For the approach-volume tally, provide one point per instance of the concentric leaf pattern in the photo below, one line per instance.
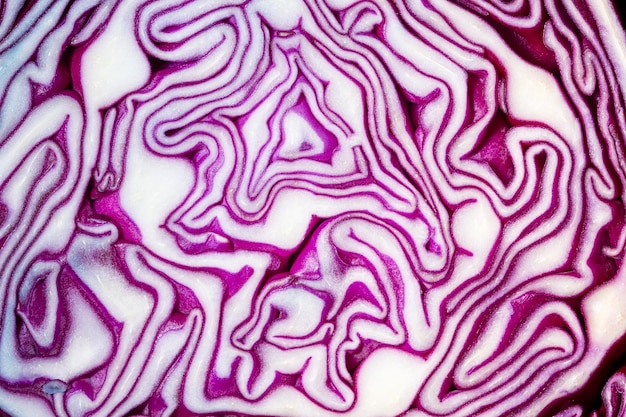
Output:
(312, 208)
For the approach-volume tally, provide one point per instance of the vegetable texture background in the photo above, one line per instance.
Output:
(312, 208)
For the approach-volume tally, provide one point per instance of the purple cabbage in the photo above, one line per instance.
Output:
(312, 208)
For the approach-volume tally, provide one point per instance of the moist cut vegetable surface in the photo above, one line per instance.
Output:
(312, 208)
